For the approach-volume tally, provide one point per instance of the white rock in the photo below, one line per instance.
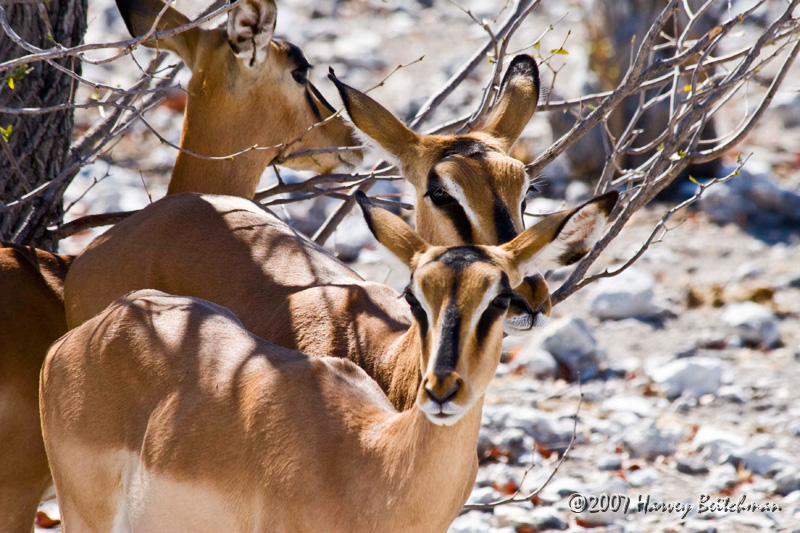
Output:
(472, 522)
(648, 441)
(484, 495)
(694, 376)
(512, 515)
(546, 518)
(629, 404)
(628, 295)
(716, 442)
(720, 478)
(536, 361)
(572, 343)
(754, 323)
(787, 481)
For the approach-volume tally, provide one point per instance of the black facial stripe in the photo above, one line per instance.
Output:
(467, 148)
(503, 224)
(294, 53)
(460, 257)
(491, 315)
(447, 356)
(453, 211)
(313, 105)
(322, 100)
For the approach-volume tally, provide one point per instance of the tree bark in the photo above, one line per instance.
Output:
(39, 144)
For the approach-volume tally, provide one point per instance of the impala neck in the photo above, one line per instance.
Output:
(394, 364)
(428, 463)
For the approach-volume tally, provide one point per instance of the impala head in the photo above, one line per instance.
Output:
(468, 189)
(247, 88)
(459, 297)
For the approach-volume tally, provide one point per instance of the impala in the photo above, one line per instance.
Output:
(165, 412)
(31, 318)
(247, 89)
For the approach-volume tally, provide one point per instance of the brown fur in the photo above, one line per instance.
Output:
(263, 437)
(232, 106)
(31, 318)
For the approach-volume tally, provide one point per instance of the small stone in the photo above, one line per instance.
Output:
(514, 442)
(754, 323)
(472, 522)
(720, 478)
(700, 526)
(648, 441)
(535, 361)
(484, 495)
(609, 462)
(694, 376)
(513, 515)
(542, 518)
(572, 343)
(637, 405)
(690, 465)
(716, 442)
(628, 295)
(643, 477)
(763, 462)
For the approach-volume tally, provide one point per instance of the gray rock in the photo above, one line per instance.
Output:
(577, 192)
(572, 343)
(693, 376)
(754, 323)
(764, 462)
(750, 196)
(720, 478)
(484, 495)
(542, 518)
(700, 526)
(628, 295)
(513, 515)
(513, 443)
(543, 427)
(690, 465)
(637, 405)
(643, 477)
(536, 361)
(648, 441)
(609, 462)
(472, 522)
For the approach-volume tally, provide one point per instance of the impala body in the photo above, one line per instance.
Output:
(31, 318)
(210, 428)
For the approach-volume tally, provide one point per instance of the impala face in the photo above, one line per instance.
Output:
(459, 299)
(248, 89)
(460, 296)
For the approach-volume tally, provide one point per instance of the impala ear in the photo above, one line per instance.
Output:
(250, 29)
(391, 231)
(562, 238)
(377, 123)
(519, 94)
(140, 15)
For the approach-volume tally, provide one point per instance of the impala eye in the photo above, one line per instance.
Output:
(439, 196)
(411, 299)
(300, 75)
(502, 301)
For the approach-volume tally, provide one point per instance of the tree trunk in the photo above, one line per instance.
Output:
(39, 144)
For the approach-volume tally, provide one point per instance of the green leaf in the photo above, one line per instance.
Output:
(693, 180)
(536, 45)
(10, 83)
(559, 51)
(6, 132)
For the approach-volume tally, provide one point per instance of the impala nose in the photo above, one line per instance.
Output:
(443, 389)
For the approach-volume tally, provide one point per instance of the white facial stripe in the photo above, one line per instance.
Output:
(458, 193)
(488, 296)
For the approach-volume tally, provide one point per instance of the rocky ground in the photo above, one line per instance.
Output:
(690, 359)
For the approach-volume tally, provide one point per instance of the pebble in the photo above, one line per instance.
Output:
(648, 441)
(472, 522)
(628, 295)
(693, 376)
(536, 361)
(572, 343)
(514, 515)
(716, 443)
(720, 478)
(690, 465)
(542, 518)
(754, 323)
(609, 462)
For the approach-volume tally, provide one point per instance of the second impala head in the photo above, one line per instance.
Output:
(247, 88)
